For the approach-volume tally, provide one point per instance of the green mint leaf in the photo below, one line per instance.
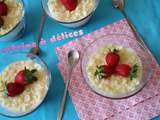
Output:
(29, 75)
(99, 72)
(5, 90)
(96, 73)
(6, 93)
(115, 50)
(102, 74)
(33, 71)
(134, 71)
(109, 49)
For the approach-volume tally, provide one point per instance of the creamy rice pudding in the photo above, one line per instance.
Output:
(15, 14)
(33, 94)
(58, 11)
(114, 84)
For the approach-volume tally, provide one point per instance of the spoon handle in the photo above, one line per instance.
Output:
(137, 35)
(61, 111)
(36, 49)
(41, 28)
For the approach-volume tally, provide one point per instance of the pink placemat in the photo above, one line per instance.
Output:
(90, 106)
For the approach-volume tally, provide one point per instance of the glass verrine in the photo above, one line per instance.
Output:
(72, 24)
(31, 92)
(18, 30)
(124, 41)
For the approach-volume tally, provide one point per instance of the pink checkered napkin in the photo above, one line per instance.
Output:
(90, 106)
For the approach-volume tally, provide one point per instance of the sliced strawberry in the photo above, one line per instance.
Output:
(123, 70)
(104, 71)
(14, 89)
(70, 4)
(3, 9)
(25, 77)
(112, 59)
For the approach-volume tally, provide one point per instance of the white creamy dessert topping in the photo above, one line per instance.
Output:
(33, 94)
(115, 84)
(58, 11)
(15, 14)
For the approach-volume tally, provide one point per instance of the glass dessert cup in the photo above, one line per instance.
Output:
(13, 58)
(18, 30)
(72, 24)
(127, 42)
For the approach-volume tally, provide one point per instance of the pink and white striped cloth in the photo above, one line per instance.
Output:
(90, 106)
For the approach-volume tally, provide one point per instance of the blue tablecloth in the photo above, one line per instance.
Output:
(145, 14)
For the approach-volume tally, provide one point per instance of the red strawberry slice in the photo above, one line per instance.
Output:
(70, 4)
(25, 77)
(14, 89)
(123, 70)
(112, 58)
(104, 71)
(3, 9)
(20, 78)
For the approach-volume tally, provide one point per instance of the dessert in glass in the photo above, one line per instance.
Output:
(70, 13)
(12, 19)
(116, 69)
(24, 83)
(112, 77)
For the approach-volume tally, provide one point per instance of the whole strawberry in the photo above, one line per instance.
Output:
(70, 4)
(14, 89)
(112, 58)
(25, 77)
(123, 70)
(3, 9)
(104, 71)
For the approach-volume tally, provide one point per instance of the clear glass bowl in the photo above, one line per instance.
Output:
(72, 24)
(18, 30)
(11, 58)
(125, 41)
